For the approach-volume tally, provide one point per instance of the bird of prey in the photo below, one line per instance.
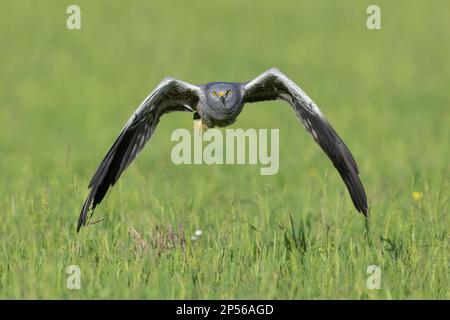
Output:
(219, 104)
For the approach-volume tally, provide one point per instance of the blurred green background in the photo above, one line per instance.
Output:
(65, 95)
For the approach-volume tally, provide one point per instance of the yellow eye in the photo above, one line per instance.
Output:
(214, 93)
(229, 92)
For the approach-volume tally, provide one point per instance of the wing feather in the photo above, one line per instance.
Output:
(170, 95)
(272, 85)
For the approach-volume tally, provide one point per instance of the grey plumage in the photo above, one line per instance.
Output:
(219, 104)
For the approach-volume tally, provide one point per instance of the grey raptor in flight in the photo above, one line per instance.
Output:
(219, 104)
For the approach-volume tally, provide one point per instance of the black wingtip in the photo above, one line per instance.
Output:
(82, 219)
(107, 174)
(356, 190)
(81, 222)
(365, 209)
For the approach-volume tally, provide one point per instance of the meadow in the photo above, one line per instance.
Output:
(65, 95)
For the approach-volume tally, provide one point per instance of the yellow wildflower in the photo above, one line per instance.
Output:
(417, 195)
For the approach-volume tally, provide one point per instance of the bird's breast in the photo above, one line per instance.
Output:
(220, 117)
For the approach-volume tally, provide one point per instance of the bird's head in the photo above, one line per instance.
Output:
(223, 96)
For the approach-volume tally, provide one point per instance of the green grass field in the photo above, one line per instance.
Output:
(65, 95)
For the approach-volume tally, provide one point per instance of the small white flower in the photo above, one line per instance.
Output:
(194, 238)
(198, 233)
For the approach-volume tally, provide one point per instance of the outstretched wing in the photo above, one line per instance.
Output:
(170, 95)
(272, 85)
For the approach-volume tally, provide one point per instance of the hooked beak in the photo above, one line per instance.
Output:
(222, 97)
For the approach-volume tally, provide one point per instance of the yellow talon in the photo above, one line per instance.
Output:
(199, 125)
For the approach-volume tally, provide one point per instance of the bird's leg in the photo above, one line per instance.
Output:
(198, 123)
